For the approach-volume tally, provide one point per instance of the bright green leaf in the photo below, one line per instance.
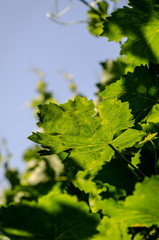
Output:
(109, 229)
(77, 128)
(136, 159)
(154, 114)
(84, 183)
(127, 139)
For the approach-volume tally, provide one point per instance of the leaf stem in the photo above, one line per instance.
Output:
(135, 168)
(89, 5)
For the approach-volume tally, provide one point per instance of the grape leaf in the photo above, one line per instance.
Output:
(136, 159)
(108, 228)
(84, 183)
(140, 24)
(127, 139)
(139, 88)
(154, 114)
(140, 209)
(96, 18)
(75, 127)
(55, 216)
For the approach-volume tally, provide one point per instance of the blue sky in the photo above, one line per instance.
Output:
(29, 39)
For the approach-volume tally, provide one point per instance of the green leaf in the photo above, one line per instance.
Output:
(55, 216)
(96, 18)
(84, 183)
(77, 128)
(139, 237)
(140, 209)
(108, 229)
(140, 24)
(154, 114)
(136, 159)
(127, 139)
(104, 191)
(139, 88)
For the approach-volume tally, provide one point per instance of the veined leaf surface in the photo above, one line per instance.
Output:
(109, 229)
(77, 128)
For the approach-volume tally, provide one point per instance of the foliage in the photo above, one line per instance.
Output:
(93, 174)
(139, 23)
(97, 17)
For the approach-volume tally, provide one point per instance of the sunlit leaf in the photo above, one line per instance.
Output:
(77, 128)
(109, 228)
